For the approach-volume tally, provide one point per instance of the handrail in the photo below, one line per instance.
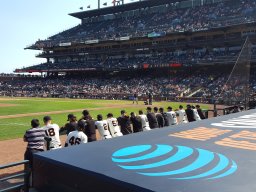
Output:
(14, 164)
(12, 177)
(24, 174)
(12, 188)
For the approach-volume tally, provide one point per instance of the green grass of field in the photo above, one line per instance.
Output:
(15, 127)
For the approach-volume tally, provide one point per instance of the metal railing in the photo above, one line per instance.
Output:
(24, 174)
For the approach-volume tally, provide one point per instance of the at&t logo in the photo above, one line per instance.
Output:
(174, 162)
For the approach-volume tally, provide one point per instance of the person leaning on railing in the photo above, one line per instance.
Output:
(35, 139)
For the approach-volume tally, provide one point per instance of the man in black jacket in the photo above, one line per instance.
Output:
(159, 117)
(71, 126)
(136, 123)
(89, 130)
(151, 118)
(166, 122)
(124, 123)
(190, 114)
(200, 112)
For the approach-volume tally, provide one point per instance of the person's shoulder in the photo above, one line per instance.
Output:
(35, 131)
(138, 118)
(67, 124)
(119, 118)
(31, 130)
(81, 133)
(44, 127)
(55, 126)
(98, 122)
(72, 133)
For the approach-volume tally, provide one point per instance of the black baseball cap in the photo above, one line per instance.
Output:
(110, 115)
(71, 116)
(99, 117)
(85, 112)
(81, 124)
(47, 118)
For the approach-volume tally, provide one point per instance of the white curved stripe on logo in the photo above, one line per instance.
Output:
(243, 122)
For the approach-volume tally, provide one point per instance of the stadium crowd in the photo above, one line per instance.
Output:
(163, 20)
(114, 88)
(184, 57)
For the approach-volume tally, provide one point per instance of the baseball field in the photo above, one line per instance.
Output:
(16, 113)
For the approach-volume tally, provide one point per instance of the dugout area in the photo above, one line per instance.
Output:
(211, 155)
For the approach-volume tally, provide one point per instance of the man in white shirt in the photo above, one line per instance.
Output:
(171, 116)
(52, 133)
(102, 126)
(144, 121)
(182, 116)
(196, 115)
(113, 126)
(77, 137)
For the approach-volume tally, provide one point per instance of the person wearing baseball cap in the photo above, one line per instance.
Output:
(80, 137)
(190, 113)
(71, 117)
(89, 130)
(52, 132)
(71, 126)
(159, 117)
(200, 112)
(124, 123)
(152, 118)
(171, 116)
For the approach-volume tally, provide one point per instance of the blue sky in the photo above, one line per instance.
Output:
(23, 22)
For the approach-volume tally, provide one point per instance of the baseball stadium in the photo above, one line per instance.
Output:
(152, 95)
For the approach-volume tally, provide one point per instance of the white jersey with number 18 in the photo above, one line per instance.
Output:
(102, 126)
(52, 132)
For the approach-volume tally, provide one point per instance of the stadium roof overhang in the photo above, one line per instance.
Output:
(121, 8)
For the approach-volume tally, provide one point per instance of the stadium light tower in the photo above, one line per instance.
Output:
(98, 4)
